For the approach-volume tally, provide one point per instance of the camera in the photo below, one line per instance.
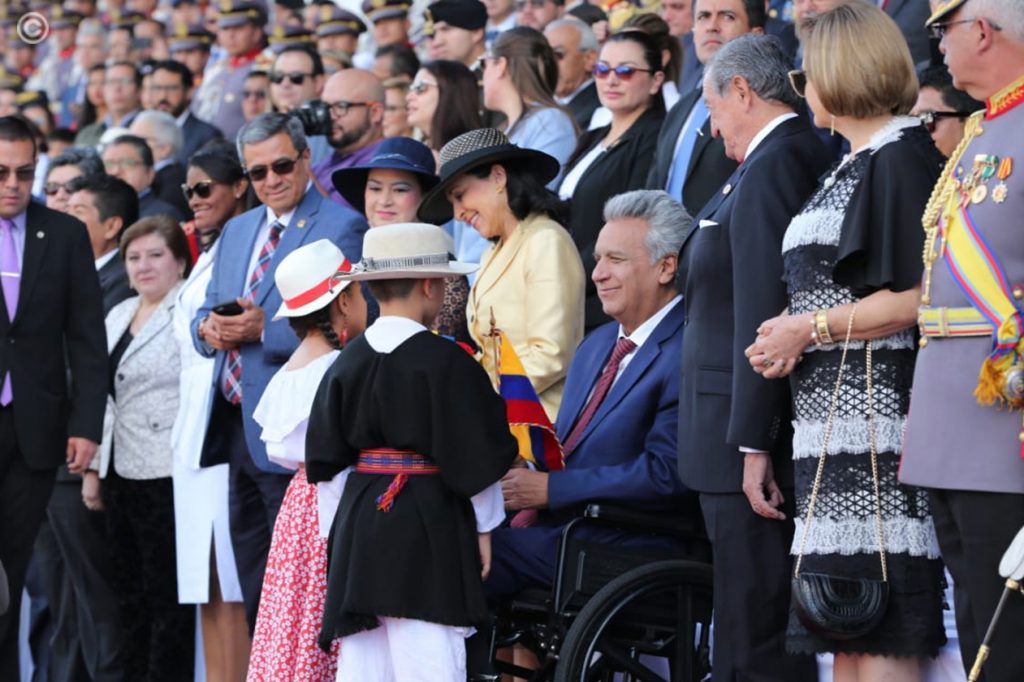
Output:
(315, 117)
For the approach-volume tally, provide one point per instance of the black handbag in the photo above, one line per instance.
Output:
(836, 607)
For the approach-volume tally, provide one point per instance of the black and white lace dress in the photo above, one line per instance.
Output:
(857, 234)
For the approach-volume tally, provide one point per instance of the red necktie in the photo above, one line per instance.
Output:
(623, 347)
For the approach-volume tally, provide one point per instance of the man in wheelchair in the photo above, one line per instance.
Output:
(618, 416)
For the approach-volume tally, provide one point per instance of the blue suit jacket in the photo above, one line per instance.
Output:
(627, 454)
(315, 218)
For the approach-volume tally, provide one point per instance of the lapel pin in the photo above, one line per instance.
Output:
(40, 234)
(301, 223)
(727, 188)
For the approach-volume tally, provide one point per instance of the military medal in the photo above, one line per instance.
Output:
(1000, 191)
(979, 194)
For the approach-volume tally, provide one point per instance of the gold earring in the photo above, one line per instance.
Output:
(501, 190)
(832, 126)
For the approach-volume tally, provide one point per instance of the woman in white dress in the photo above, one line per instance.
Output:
(216, 191)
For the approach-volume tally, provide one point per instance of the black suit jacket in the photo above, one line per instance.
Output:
(709, 166)
(114, 283)
(623, 167)
(167, 187)
(583, 105)
(196, 132)
(731, 273)
(57, 328)
(151, 205)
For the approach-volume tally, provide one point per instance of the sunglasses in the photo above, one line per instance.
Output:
(341, 108)
(51, 188)
(23, 174)
(203, 190)
(930, 119)
(623, 72)
(280, 167)
(294, 77)
(798, 81)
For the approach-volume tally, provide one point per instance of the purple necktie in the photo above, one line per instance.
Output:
(10, 277)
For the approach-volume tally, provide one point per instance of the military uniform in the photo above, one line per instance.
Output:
(964, 438)
(219, 99)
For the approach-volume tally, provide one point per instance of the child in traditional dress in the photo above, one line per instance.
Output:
(427, 440)
(325, 313)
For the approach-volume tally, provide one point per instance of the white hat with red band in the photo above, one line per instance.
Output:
(308, 278)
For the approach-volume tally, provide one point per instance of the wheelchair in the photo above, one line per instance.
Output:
(613, 610)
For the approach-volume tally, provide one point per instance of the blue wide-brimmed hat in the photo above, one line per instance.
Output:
(395, 153)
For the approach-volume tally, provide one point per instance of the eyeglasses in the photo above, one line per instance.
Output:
(51, 188)
(341, 108)
(281, 167)
(393, 108)
(203, 190)
(520, 5)
(930, 119)
(254, 94)
(798, 81)
(122, 163)
(295, 77)
(419, 87)
(23, 174)
(126, 81)
(623, 71)
(938, 30)
(164, 89)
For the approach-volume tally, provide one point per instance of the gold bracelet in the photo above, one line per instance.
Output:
(821, 326)
(814, 330)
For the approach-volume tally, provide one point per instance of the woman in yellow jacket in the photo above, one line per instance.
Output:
(531, 279)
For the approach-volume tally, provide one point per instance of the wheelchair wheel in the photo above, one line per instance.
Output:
(660, 610)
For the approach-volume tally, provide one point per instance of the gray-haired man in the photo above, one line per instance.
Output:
(165, 139)
(734, 435)
(576, 47)
(249, 347)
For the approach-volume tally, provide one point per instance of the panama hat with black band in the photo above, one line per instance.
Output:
(481, 147)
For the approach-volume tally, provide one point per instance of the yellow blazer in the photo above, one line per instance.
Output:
(533, 282)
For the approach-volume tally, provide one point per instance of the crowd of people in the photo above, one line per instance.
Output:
(271, 271)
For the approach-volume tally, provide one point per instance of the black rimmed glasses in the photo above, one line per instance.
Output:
(931, 119)
(798, 81)
(203, 190)
(623, 71)
(281, 167)
(940, 28)
(341, 108)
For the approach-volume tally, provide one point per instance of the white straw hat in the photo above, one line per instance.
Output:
(407, 251)
(309, 278)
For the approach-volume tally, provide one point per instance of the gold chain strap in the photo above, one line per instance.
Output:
(824, 451)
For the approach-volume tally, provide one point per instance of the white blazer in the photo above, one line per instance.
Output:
(146, 381)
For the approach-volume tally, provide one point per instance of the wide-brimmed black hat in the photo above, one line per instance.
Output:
(476, 148)
(395, 153)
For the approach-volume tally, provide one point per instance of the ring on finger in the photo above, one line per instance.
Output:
(767, 362)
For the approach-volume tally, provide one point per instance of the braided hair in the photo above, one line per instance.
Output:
(319, 319)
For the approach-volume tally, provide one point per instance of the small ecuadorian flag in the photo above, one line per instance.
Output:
(526, 417)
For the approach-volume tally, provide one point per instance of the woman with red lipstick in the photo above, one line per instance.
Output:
(615, 158)
(216, 190)
(388, 190)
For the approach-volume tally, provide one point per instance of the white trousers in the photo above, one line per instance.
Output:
(404, 650)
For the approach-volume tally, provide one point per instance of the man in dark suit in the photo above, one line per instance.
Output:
(734, 435)
(165, 140)
(619, 439)
(690, 164)
(576, 47)
(130, 159)
(172, 85)
(50, 284)
(73, 550)
(249, 347)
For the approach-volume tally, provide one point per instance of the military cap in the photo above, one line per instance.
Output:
(125, 18)
(283, 37)
(41, 4)
(378, 10)
(239, 12)
(194, 37)
(15, 39)
(333, 21)
(31, 98)
(468, 14)
(10, 80)
(944, 9)
(64, 18)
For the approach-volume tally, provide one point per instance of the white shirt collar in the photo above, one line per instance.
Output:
(583, 86)
(286, 218)
(388, 332)
(183, 118)
(772, 125)
(641, 333)
(104, 259)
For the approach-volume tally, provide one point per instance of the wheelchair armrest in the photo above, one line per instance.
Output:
(673, 525)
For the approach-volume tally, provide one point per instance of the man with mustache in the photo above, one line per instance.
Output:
(172, 88)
